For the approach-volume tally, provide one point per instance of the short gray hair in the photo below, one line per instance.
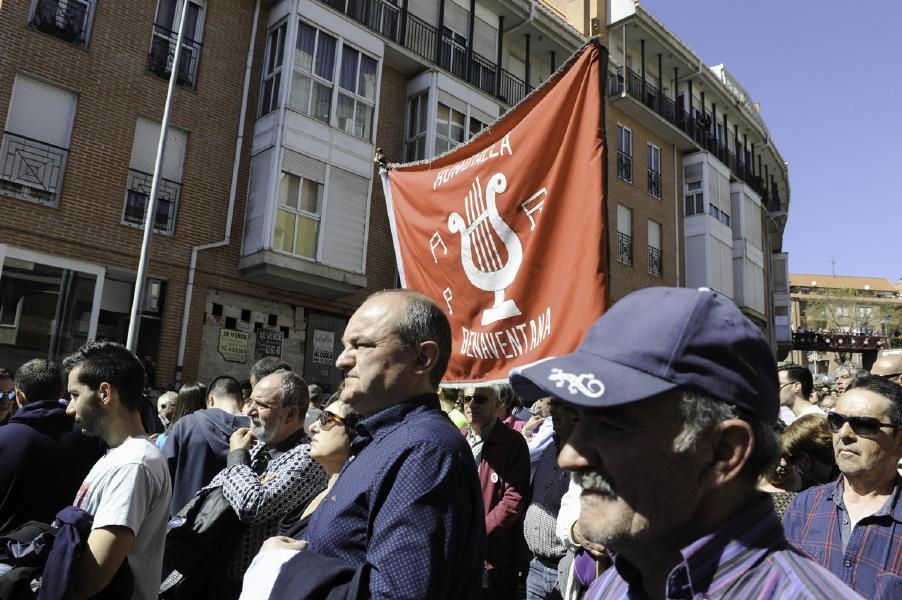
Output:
(294, 392)
(701, 413)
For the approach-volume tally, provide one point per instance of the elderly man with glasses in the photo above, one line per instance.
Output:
(853, 526)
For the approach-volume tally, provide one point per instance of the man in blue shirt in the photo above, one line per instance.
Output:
(405, 518)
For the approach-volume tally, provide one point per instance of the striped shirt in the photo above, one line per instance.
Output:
(871, 561)
(748, 557)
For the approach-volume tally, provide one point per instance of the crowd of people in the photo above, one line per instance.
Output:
(666, 457)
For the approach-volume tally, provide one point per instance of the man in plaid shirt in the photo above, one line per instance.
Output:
(269, 472)
(853, 526)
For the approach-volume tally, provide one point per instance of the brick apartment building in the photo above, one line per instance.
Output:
(271, 222)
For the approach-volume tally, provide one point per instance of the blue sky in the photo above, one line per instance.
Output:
(828, 76)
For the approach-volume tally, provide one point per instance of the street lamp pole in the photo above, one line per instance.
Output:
(135, 318)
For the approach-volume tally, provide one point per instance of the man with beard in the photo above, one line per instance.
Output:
(676, 397)
(128, 490)
(270, 473)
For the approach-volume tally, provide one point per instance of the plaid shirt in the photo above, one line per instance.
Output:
(872, 561)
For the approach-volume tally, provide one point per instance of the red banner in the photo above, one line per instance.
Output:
(507, 232)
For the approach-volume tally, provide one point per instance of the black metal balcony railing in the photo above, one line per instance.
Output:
(65, 19)
(416, 35)
(654, 183)
(655, 262)
(699, 128)
(139, 185)
(162, 55)
(625, 248)
(624, 166)
(31, 169)
(838, 341)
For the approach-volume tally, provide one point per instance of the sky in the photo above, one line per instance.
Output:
(829, 81)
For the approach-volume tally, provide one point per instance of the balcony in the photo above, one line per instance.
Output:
(655, 262)
(416, 35)
(838, 341)
(654, 183)
(139, 185)
(698, 129)
(162, 55)
(31, 169)
(65, 19)
(625, 248)
(624, 166)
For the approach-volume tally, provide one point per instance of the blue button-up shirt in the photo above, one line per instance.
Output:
(871, 561)
(747, 557)
(408, 505)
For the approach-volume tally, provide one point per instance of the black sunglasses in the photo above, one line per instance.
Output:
(867, 426)
(478, 398)
(8, 396)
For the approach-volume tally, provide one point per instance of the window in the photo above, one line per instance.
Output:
(695, 199)
(140, 176)
(454, 50)
(298, 216)
(624, 153)
(865, 312)
(449, 128)
(69, 20)
(624, 235)
(654, 171)
(475, 126)
(272, 73)
(165, 36)
(357, 93)
(35, 144)
(314, 81)
(417, 124)
(719, 214)
(311, 92)
(655, 263)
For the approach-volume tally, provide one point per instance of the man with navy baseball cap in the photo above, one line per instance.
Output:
(676, 393)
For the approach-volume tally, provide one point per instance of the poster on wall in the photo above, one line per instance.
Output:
(323, 347)
(233, 345)
(269, 343)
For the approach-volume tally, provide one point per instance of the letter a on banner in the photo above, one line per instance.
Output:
(507, 233)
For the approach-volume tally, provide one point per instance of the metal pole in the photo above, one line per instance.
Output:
(134, 319)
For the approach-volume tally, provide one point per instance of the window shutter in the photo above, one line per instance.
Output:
(345, 221)
(654, 234)
(425, 10)
(624, 220)
(485, 39)
(457, 19)
(41, 111)
(144, 149)
(303, 166)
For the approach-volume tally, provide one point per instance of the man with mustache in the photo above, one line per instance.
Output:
(853, 526)
(676, 395)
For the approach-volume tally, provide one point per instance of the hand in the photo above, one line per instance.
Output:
(596, 551)
(533, 422)
(280, 542)
(242, 439)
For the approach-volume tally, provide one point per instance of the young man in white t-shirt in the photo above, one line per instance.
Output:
(796, 384)
(128, 490)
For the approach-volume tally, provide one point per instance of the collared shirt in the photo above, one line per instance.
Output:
(263, 486)
(747, 557)
(871, 562)
(408, 505)
(548, 488)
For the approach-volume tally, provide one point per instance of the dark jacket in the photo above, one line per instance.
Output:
(504, 479)
(43, 460)
(196, 449)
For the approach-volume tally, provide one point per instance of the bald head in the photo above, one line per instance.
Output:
(889, 366)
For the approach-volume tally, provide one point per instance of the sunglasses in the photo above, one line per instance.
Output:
(867, 426)
(478, 398)
(8, 396)
(328, 420)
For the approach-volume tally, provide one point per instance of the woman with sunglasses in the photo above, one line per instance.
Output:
(330, 446)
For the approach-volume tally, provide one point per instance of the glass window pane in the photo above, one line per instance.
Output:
(311, 193)
(423, 113)
(322, 101)
(288, 190)
(305, 244)
(413, 117)
(325, 56)
(363, 121)
(345, 113)
(349, 58)
(283, 236)
(475, 126)
(441, 119)
(457, 126)
(300, 94)
(366, 86)
(441, 145)
(303, 59)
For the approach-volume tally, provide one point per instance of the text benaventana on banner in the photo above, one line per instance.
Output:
(508, 231)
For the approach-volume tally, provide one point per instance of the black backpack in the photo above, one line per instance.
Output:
(199, 544)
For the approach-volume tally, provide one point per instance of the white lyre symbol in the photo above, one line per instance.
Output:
(486, 270)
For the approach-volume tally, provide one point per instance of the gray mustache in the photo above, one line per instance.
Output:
(593, 481)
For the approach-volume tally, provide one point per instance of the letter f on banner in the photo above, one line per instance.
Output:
(519, 223)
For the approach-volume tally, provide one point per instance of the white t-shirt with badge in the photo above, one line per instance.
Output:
(130, 487)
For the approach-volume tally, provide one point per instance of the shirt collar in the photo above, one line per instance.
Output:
(892, 507)
(710, 563)
(377, 426)
(288, 443)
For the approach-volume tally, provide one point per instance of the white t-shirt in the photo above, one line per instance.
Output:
(813, 410)
(130, 487)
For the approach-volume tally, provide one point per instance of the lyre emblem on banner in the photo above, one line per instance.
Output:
(482, 261)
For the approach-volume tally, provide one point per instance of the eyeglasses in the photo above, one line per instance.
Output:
(8, 396)
(867, 426)
(328, 420)
(785, 384)
(478, 398)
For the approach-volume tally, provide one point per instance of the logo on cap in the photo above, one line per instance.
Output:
(584, 383)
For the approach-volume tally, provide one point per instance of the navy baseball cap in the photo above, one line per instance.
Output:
(659, 339)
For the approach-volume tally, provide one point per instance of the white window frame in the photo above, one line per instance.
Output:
(417, 105)
(87, 24)
(300, 213)
(192, 42)
(354, 95)
(275, 77)
(694, 197)
(446, 136)
(315, 77)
